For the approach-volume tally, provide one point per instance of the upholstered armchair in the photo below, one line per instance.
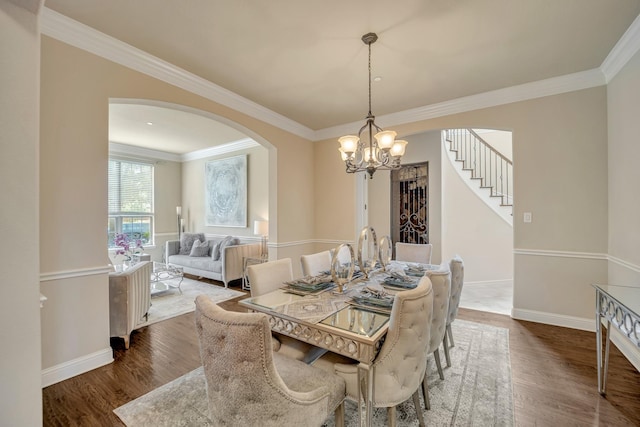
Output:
(129, 300)
(441, 282)
(456, 265)
(315, 264)
(412, 252)
(250, 385)
(402, 360)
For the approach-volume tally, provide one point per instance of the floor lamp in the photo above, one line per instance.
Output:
(180, 221)
(261, 228)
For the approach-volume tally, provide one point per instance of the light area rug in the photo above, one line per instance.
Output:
(477, 390)
(172, 303)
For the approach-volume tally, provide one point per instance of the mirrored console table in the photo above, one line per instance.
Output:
(617, 307)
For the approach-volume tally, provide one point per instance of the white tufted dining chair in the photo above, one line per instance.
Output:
(267, 277)
(400, 365)
(456, 265)
(441, 282)
(412, 252)
(247, 384)
(315, 264)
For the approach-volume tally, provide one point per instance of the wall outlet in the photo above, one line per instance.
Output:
(527, 217)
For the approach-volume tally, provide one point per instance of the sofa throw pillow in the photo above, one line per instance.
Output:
(215, 250)
(199, 248)
(227, 241)
(186, 242)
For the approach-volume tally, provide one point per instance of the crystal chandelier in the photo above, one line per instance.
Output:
(362, 152)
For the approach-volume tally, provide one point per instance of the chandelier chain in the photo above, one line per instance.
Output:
(369, 78)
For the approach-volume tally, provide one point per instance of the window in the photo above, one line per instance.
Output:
(130, 200)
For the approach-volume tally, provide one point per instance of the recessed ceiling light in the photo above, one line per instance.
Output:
(150, 123)
(377, 78)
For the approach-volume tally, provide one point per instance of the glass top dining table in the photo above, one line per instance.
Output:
(330, 320)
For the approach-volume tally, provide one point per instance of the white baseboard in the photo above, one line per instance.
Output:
(554, 319)
(490, 282)
(77, 366)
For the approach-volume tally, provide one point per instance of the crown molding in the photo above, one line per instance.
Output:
(623, 51)
(243, 144)
(538, 89)
(74, 33)
(143, 153)
(146, 153)
(67, 30)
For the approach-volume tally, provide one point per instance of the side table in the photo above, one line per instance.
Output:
(247, 261)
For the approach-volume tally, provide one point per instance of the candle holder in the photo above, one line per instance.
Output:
(367, 261)
(342, 274)
(385, 249)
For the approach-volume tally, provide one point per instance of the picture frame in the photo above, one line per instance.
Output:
(226, 192)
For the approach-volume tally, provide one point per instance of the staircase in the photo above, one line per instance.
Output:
(477, 161)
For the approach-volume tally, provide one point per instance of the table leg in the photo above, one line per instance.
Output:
(599, 352)
(606, 359)
(365, 380)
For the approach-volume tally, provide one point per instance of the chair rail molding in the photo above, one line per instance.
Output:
(79, 272)
(561, 254)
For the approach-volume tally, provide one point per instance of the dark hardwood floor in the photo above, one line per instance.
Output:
(553, 372)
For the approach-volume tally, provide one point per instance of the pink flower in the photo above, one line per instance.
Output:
(125, 246)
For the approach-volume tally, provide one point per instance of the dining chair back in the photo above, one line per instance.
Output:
(441, 282)
(456, 265)
(401, 362)
(315, 264)
(269, 276)
(412, 252)
(248, 384)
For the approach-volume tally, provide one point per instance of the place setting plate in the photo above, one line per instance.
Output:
(310, 285)
(400, 281)
(372, 299)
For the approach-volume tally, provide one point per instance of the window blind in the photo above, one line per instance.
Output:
(130, 201)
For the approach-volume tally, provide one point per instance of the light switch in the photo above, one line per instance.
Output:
(527, 217)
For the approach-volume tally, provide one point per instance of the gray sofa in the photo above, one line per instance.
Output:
(225, 267)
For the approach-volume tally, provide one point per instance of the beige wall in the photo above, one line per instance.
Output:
(623, 110)
(76, 87)
(21, 402)
(623, 96)
(560, 152)
(498, 139)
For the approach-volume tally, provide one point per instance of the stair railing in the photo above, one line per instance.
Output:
(484, 162)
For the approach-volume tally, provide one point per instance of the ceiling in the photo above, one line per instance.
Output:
(306, 61)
